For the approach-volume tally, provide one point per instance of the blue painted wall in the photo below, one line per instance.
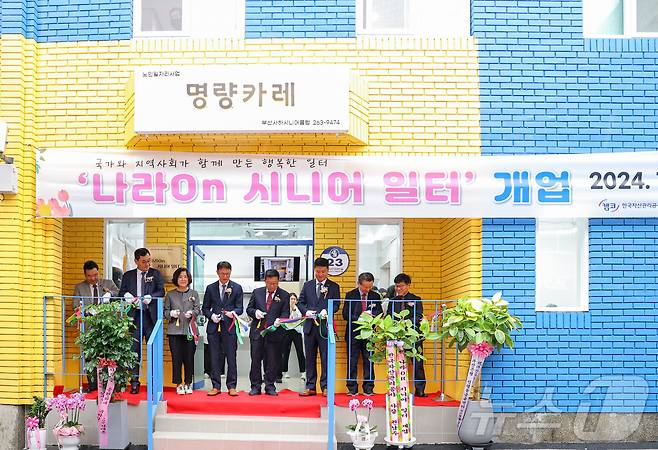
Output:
(300, 18)
(102, 20)
(546, 89)
(67, 20)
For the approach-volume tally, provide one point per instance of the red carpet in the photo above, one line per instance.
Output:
(286, 404)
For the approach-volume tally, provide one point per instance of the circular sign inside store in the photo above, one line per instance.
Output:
(338, 258)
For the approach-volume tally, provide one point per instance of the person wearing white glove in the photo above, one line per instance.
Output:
(315, 296)
(222, 303)
(181, 306)
(139, 282)
(267, 306)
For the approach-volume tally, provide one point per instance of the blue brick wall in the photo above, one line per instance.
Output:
(565, 360)
(546, 89)
(300, 18)
(67, 20)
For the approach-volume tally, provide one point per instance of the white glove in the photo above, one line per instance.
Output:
(146, 299)
(128, 297)
(310, 314)
(229, 313)
(260, 314)
(174, 313)
(323, 313)
(106, 297)
(277, 322)
(91, 312)
(214, 318)
(188, 314)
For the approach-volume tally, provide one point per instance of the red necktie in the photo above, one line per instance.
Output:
(269, 301)
(364, 304)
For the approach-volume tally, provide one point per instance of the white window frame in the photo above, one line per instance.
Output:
(629, 24)
(361, 30)
(137, 22)
(584, 270)
(106, 244)
(391, 221)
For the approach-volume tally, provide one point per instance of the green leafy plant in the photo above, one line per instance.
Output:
(474, 321)
(379, 329)
(108, 336)
(38, 409)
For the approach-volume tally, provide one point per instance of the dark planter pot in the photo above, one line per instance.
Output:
(477, 429)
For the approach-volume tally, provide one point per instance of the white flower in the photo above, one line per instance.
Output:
(323, 289)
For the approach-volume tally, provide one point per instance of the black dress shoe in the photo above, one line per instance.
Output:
(134, 389)
(254, 392)
(273, 393)
(352, 393)
(421, 394)
(368, 393)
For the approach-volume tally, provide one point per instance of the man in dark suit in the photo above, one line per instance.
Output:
(93, 291)
(267, 306)
(406, 300)
(144, 284)
(222, 304)
(312, 301)
(362, 300)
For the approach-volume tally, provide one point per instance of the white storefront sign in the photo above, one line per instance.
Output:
(242, 99)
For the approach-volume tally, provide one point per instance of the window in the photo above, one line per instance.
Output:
(627, 18)
(562, 265)
(189, 18)
(414, 17)
(380, 250)
(122, 238)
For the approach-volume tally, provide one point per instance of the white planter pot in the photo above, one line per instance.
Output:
(362, 441)
(477, 429)
(32, 439)
(117, 426)
(68, 442)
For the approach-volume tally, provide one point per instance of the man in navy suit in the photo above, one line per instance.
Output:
(357, 301)
(267, 306)
(312, 301)
(406, 300)
(140, 282)
(222, 304)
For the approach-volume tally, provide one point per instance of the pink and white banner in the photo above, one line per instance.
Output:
(126, 183)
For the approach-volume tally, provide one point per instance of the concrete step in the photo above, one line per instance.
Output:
(243, 425)
(210, 440)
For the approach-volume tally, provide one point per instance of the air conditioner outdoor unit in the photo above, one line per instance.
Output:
(8, 179)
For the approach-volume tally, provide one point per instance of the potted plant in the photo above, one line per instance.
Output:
(35, 424)
(362, 434)
(68, 429)
(106, 345)
(479, 325)
(395, 339)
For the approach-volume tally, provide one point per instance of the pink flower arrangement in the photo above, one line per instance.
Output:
(362, 422)
(69, 414)
(481, 350)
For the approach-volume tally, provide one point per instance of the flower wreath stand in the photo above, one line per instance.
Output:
(112, 415)
(399, 401)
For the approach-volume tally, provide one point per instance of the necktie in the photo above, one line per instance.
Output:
(269, 301)
(143, 282)
(95, 294)
(223, 290)
(364, 304)
(317, 290)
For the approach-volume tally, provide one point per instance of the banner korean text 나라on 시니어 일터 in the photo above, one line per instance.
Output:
(127, 183)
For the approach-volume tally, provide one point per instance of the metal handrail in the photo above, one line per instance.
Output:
(331, 374)
(155, 373)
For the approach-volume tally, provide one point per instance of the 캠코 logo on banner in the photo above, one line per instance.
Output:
(338, 258)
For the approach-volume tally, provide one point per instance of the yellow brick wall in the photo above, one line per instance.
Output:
(423, 99)
(30, 250)
(461, 262)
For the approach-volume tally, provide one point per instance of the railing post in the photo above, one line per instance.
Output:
(331, 374)
(45, 348)
(154, 375)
